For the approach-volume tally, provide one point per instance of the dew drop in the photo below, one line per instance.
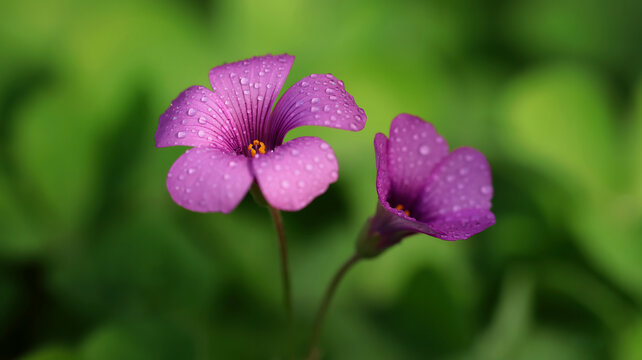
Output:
(304, 83)
(285, 184)
(301, 183)
(201, 133)
(314, 100)
(191, 112)
(204, 99)
(324, 146)
(202, 120)
(309, 167)
(329, 91)
(244, 81)
(191, 171)
(232, 164)
(486, 189)
(314, 109)
(424, 150)
(181, 134)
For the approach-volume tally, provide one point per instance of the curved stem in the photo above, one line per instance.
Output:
(325, 303)
(285, 271)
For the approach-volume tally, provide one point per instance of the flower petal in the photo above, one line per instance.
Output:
(248, 89)
(316, 100)
(462, 181)
(455, 203)
(383, 176)
(296, 172)
(462, 224)
(197, 118)
(414, 149)
(205, 179)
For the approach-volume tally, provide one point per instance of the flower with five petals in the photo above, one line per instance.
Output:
(237, 137)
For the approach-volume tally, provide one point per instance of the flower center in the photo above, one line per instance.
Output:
(400, 207)
(256, 146)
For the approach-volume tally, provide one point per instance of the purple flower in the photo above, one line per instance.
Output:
(238, 138)
(424, 188)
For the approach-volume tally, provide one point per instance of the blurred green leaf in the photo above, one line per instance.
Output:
(558, 119)
(137, 340)
(630, 342)
(51, 353)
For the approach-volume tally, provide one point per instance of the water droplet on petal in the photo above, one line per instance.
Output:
(314, 100)
(324, 146)
(232, 163)
(244, 81)
(202, 120)
(329, 91)
(181, 134)
(204, 99)
(201, 133)
(191, 112)
(424, 150)
(486, 189)
(285, 184)
(191, 171)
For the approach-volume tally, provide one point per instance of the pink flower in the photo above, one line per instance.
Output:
(237, 137)
(424, 188)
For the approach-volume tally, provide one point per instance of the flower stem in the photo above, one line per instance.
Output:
(285, 271)
(313, 353)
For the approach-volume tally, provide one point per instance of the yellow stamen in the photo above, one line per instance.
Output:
(256, 146)
(400, 207)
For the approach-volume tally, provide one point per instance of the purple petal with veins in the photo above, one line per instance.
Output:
(209, 180)
(296, 172)
(318, 99)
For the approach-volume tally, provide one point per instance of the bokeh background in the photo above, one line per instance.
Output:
(97, 262)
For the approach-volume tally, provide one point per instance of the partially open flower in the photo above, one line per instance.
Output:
(238, 138)
(424, 188)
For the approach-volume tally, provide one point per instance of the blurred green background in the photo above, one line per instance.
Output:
(97, 262)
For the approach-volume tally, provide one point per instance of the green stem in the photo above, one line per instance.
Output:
(285, 271)
(313, 353)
